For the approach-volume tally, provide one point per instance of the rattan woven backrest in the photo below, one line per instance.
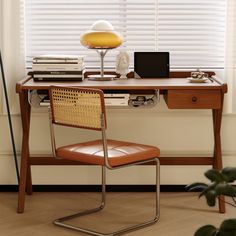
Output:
(77, 107)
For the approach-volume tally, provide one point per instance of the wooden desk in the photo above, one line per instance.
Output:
(178, 92)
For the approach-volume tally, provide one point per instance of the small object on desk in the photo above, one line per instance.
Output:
(151, 64)
(199, 74)
(104, 78)
(122, 64)
(58, 63)
(193, 80)
(58, 75)
(58, 68)
(198, 77)
(102, 37)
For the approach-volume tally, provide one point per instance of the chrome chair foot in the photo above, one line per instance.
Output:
(60, 221)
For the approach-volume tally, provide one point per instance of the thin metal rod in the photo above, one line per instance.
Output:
(102, 63)
(102, 53)
(52, 134)
(104, 142)
(103, 186)
(157, 188)
(9, 121)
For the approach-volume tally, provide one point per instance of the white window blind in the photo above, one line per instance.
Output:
(54, 27)
(192, 31)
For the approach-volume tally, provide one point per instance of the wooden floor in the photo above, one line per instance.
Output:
(181, 213)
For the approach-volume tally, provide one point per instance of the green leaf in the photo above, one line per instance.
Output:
(196, 186)
(211, 197)
(228, 233)
(229, 174)
(225, 189)
(210, 187)
(228, 228)
(214, 175)
(228, 225)
(207, 230)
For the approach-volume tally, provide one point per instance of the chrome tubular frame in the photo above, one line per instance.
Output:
(52, 134)
(60, 221)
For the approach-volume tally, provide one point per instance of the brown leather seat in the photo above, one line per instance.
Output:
(119, 152)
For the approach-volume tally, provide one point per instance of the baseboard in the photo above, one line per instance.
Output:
(96, 188)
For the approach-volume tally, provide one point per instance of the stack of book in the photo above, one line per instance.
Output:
(58, 68)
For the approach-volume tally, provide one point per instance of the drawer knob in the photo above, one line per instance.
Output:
(194, 99)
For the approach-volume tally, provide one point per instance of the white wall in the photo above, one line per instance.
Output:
(175, 132)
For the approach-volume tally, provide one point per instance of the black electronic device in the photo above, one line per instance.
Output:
(151, 64)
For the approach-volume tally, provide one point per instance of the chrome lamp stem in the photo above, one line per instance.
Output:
(101, 76)
(102, 53)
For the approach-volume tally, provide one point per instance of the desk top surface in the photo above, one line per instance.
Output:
(128, 84)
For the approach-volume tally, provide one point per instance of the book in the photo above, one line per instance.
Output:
(57, 58)
(55, 62)
(54, 79)
(58, 75)
(58, 67)
(54, 73)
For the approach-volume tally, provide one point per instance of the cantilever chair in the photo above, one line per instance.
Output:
(84, 108)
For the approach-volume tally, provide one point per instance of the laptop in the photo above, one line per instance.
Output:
(151, 65)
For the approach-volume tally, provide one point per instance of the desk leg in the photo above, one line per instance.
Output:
(25, 174)
(217, 162)
(29, 188)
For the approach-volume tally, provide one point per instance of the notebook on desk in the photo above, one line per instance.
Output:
(54, 76)
(151, 65)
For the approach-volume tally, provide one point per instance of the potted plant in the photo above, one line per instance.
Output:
(220, 185)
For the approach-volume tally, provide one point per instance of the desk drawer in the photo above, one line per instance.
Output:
(193, 99)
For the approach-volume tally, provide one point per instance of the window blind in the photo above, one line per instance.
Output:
(192, 31)
(54, 27)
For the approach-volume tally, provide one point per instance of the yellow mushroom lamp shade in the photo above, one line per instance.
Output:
(101, 37)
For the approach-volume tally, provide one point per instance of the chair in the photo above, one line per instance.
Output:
(85, 108)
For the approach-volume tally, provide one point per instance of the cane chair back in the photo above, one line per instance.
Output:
(77, 107)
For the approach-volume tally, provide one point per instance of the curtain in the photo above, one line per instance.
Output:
(12, 47)
(230, 57)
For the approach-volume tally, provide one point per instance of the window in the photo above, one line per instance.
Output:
(192, 31)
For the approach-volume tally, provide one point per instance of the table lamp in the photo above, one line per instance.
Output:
(101, 37)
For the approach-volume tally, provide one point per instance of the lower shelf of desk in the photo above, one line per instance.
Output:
(49, 160)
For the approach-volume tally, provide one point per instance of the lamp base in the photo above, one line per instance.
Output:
(101, 78)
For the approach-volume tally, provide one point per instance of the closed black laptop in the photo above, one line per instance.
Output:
(151, 64)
